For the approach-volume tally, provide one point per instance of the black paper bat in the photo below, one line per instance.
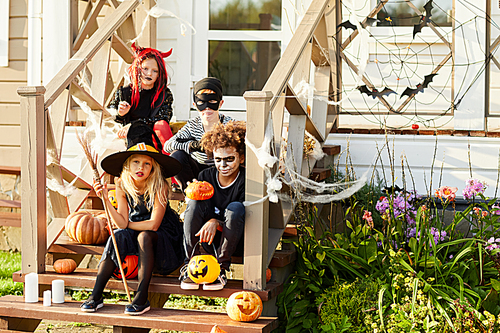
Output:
(424, 19)
(369, 22)
(375, 93)
(420, 87)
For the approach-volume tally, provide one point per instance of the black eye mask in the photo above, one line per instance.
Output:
(205, 101)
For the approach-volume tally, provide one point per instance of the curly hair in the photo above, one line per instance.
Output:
(232, 134)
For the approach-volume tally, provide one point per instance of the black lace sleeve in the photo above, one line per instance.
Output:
(119, 96)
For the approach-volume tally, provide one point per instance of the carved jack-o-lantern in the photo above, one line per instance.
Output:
(130, 267)
(203, 269)
(200, 190)
(244, 306)
(217, 329)
(112, 198)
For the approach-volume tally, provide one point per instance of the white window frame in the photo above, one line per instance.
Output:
(4, 32)
(204, 35)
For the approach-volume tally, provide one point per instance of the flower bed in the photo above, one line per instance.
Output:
(409, 269)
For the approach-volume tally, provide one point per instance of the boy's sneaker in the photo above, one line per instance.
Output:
(186, 282)
(219, 283)
(135, 310)
(91, 305)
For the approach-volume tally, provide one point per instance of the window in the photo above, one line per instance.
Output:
(4, 33)
(399, 13)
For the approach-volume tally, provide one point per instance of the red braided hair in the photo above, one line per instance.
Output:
(142, 54)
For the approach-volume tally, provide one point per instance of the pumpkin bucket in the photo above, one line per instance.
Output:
(203, 269)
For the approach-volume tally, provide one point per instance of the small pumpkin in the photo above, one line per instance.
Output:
(217, 329)
(244, 306)
(130, 267)
(112, 198)
(203, 269)
(200, 190)
(64, 266)
(87, 228)
(268, 275)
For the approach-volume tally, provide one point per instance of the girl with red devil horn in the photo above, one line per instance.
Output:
(147, 98)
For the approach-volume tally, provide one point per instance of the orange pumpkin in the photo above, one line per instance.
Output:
(200, 190)
(244, 306)
(216, 329)
(64, 266)
(130, 267)
(87, 228)
(268, 275)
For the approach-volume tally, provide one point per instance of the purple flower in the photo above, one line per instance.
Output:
(473, 187)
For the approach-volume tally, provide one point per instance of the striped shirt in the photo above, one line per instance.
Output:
(193, 130)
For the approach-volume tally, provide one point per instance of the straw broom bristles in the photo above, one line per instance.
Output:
(92, 158)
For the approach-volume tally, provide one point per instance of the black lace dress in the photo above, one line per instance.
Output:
(169, 254)
(143, 111)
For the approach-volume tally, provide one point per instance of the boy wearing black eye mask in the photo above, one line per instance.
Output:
(185, 146)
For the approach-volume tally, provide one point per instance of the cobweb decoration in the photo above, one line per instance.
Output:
(304, 189)
(401, 58)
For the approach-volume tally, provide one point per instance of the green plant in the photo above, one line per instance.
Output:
(345, 304)
(10, 262)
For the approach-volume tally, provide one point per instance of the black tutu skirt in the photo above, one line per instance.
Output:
(169, 254)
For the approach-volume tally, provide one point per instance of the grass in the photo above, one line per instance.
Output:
(10, 262)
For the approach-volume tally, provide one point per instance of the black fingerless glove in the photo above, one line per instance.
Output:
(195, 146)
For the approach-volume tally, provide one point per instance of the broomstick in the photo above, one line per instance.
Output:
(92, 158)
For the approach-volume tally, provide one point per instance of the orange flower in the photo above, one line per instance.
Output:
(446, 193)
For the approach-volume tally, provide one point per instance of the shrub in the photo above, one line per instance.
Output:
(346, 303)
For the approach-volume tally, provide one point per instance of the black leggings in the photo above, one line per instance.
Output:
(147, 241)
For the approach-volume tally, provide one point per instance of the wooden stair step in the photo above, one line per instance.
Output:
(112, 314)
(10, 219)
(331, 149)
(85, 278)
(64, 244)
(320, 174)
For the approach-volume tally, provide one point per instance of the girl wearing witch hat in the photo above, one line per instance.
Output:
(147, 98)
(148, 227)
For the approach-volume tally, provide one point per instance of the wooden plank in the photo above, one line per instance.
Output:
(295, 142)
(88, 25)
(286, 65)
(319, 109)
(56, 124)
(18, 27)
(302, 72)
(319, 54)
(10, 203)
(77, 199)
(10, 156)
(8, 92)
(120, 79)
(70, 176)
(257, 215)
(10, 170)
(320, 174)
(85, 278)
(10, 219)
(112, 314)
(16, 72)
(33, 182)
(294, 107)
(100, 73)
(83, 95)
(10, 135)
(127, 29)
(87, 51)
(18, 51)
(54, 230)
(148, 36)
(10, 114)
(124, 51)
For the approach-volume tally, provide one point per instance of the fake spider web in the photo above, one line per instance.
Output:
(400, 59)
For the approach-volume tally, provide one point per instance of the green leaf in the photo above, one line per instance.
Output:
(490, 303)
(495, 284)
(321, 256)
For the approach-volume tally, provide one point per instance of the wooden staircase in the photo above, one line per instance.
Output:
(265, 222)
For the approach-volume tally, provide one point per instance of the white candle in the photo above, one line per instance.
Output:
(58, 291)
(31, 288)
(47, 295)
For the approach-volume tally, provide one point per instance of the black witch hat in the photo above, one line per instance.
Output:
(141, 139)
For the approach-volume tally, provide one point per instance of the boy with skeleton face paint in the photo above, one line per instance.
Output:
(219, 220)
(185, 145)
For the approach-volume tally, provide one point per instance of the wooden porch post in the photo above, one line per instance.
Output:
(33, 179)
(257, 215)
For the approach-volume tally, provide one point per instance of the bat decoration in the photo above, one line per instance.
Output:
(424, 19)
(375, 93)
(370, 22)
(420, 87)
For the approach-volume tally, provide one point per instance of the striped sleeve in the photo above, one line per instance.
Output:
(180, 141)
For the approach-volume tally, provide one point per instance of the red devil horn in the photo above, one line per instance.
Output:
(136, 48)
(166, 54)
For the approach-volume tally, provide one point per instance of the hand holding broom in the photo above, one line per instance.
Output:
(92, 158)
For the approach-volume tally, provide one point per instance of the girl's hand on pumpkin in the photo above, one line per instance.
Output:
(207, 232)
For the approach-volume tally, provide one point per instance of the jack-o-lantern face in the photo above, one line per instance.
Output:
(112, 198)
(203, 269)
(244, 306)
(200, 190)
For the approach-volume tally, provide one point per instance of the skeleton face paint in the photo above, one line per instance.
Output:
(227, 161)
